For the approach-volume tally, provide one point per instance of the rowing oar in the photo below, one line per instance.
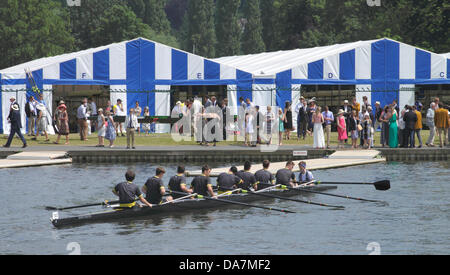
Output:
(289, 199)
(383, 185)
(327, 194)
(105, 203)
(237, 203)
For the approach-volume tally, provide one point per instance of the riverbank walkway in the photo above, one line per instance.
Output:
(35, 158)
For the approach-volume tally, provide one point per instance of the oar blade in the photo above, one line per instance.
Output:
(383, 185)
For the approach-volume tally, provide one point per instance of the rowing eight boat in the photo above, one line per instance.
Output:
(173, 208)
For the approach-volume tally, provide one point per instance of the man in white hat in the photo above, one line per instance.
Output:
(16, 125)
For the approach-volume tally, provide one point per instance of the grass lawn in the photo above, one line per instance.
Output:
(166, 140)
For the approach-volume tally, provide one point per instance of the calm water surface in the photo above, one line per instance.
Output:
(415, 221)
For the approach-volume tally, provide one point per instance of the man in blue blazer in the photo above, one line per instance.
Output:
(16, 125)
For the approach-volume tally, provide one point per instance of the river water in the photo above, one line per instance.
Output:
(415, 220)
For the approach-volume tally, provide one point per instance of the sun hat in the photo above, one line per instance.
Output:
(15, 107)
(62, 106)
(341, 112)
(40, 107)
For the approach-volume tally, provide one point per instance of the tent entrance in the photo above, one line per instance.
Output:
(427, 93)
(183, 93)
(332, 96)
(74, 94)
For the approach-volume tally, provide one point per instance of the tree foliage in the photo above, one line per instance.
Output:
(227, 27)
(32, 28)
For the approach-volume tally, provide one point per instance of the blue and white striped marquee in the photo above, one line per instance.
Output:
(378, 68)
(137, 65)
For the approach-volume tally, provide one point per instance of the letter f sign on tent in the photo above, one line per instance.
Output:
(373, 3)
(73, 3)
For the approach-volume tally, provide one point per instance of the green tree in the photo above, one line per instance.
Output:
(201, 35)
(32, 29)
(119, 23)
(270, 18)
(228, 29)
(155, 16)
(252, 40)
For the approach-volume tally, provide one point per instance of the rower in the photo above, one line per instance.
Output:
(201, 185)
(264, 177)
(128, 191)
(305, 176)
(177, 183)
(228, 181)
(248, 178)
(154, 188)
(286, 176)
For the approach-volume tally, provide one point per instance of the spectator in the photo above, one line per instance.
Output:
(119, 111)
(418, 127)
(16, 125)
(110, 129)
(367, 131)
(82, 117)
(319, 140)
(288, 122)
(410, 119)
(270, 118)
(30, 111)
(441, 120)
(311, 110)
(354, 129)
(138, 112)
(393, 128)
(347, 114)
(341, 128)
(63, 123)
(329, 118)
(41, 121)
(92, 111)
(355, 105)
(146, 126)
(280, 126)
(378, 112)
(101, 128)
(302, 118)
(431, 125)
(385, 127)
(131, 123)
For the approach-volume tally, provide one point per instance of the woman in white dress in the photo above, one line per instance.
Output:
(101, 128)
(319, 138)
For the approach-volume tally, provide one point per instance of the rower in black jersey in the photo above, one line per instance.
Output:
(264, 177)
(201, 185)
(249, 180)
(228, 181)
(177, 183)
(128, 192)
(154, 188)
(286, 176)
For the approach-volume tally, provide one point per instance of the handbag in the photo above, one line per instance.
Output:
(360, 128)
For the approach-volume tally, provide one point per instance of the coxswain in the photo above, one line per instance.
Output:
(177, 183)
(286, 176)
(305, 175)
(264, 177)
(201, 185)
(128, 192)
(228, 181)
(154, 188)
(249, 180)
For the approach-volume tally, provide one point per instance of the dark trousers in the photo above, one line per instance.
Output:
(301, 127)
(13, 132)
(408, 138)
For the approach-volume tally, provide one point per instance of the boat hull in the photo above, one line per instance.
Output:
(189, 205)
